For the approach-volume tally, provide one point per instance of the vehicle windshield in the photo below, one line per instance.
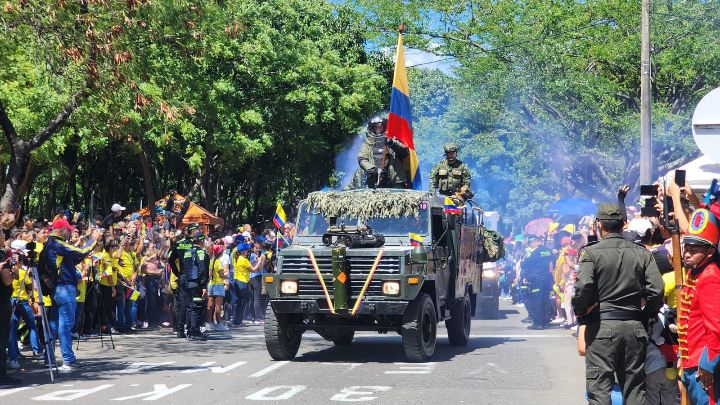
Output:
(312, 224)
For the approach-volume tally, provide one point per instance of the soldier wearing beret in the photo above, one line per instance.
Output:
(618, 283)
(699, 310)
(450, 174)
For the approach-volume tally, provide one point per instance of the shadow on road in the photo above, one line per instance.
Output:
(387, 350)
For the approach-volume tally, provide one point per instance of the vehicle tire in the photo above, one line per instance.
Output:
(281, 338)
(473, 303)
(419, 330)
(489, 308)
(344, 338)
(458, 326)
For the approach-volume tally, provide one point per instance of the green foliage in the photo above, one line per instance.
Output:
(545, 95)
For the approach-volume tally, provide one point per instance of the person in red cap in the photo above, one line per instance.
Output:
(60, 258)
(699, 310)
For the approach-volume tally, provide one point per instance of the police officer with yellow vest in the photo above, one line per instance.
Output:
(449, 174)
(618, 287)
(189, 263)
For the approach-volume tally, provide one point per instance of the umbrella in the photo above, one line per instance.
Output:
(538, 226)
(572, 206)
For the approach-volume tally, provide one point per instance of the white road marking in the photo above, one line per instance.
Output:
(142, 366)
(197, 369)
(269, 369)
(352, 366)
(69, 395)
(359, 393)
(159, 391)
(413, 368)
(311, 336)
(6, 390)
(264, 394)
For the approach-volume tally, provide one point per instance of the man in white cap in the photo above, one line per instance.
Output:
(115, 216)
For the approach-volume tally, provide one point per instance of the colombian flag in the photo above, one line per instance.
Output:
(415, 239)
(280, 217)
(132, 293)
(450, 207)
(400, 118)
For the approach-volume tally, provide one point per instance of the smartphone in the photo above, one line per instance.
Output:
(649, 190)
(669, 204)
(680, 178)
(592, 238)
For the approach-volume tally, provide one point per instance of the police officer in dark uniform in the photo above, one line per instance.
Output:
(618, 287)
(190, 265)
(536, 270)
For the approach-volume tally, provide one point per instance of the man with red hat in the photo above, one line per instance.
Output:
(698, 310)
(60, 258)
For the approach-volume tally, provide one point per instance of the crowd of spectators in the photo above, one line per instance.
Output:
(114, 277)
(645, 225)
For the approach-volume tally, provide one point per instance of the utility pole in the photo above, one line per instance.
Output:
(646, 158)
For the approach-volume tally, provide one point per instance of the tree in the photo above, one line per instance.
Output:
(546, 94)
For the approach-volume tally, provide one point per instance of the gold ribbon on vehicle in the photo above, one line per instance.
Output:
(322, 282)
(367, 282)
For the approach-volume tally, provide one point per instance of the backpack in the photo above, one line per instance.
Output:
(493, 245)
(48, 277)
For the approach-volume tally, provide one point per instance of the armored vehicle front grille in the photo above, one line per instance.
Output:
(308, 284)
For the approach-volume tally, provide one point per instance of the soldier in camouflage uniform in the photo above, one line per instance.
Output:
(449, 174)
(381, 157)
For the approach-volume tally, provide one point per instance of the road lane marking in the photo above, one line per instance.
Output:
(159, 391)
(6, 390)
(70, 395)
(264, 394)
(412, 368)
(359, 393)
(269, 369)
(214, 369)
(351, 366)
(142, 366)
(201, 367)
(377, 335)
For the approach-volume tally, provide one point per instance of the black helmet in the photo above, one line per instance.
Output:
(378, 119)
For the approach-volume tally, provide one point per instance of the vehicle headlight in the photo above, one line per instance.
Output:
(289, 287)
(489, 274)
(391, 288)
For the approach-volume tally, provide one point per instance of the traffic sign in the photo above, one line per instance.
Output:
(706, 125)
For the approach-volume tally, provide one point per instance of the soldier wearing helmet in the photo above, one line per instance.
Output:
(381, 157)
(450, 174)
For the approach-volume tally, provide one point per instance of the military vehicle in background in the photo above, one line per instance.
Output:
(377, 260)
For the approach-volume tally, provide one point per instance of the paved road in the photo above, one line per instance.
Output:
(504, 364)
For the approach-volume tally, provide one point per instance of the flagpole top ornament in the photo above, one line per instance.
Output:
(401, 28)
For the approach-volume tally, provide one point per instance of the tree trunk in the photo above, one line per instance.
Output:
(148, 181)
(18, 161)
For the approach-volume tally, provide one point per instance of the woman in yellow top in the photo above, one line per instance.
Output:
(241, 266)
(108, 284)
(216, 289)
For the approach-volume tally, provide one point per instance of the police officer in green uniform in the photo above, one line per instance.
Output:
(381, 157)
(450, 173)
(618, 287)
(536, 270)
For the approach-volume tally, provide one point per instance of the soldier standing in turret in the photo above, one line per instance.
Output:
(450, 173)
(381, 157)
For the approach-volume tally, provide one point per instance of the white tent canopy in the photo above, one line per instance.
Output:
(700, 173)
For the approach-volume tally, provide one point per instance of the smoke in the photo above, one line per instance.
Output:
(346, 161)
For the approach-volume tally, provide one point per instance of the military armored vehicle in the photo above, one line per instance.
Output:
(376, 260)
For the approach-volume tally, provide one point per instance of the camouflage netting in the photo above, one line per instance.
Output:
(367, 203)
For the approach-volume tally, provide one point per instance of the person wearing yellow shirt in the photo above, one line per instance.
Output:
(216, 289)
(242, 267)
(124, 263)
(23, 310)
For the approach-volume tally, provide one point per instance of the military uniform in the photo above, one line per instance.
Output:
(446, 177)
(380, 152)
(698, 315)
(536, 270)
(616, 274)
